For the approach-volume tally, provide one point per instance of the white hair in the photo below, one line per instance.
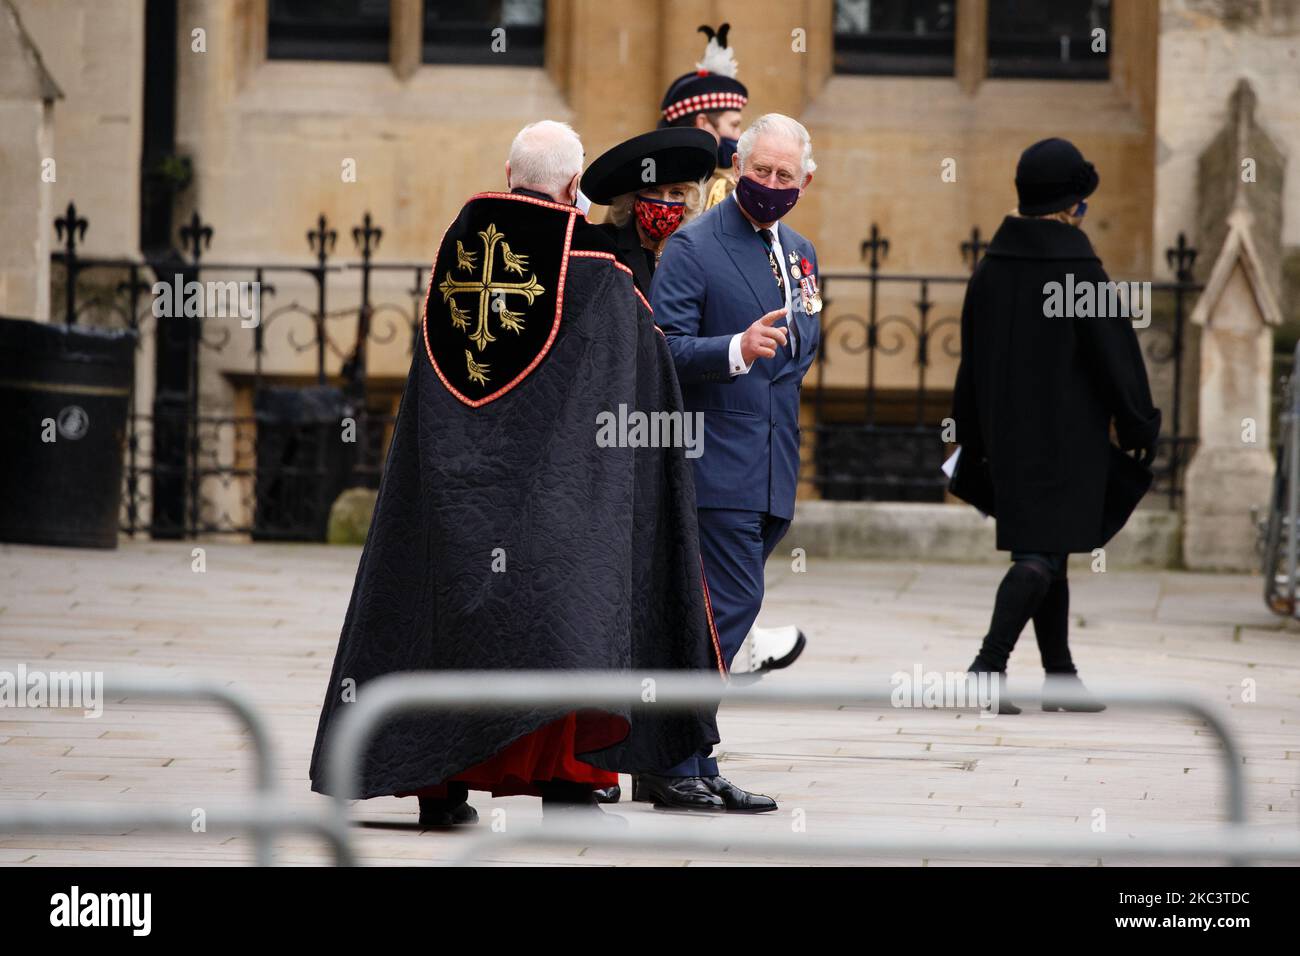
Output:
(778, 124)
(545, 156)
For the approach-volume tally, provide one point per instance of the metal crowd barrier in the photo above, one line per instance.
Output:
(262, 817)
(266, 815)
(387, 697)
(390, 696)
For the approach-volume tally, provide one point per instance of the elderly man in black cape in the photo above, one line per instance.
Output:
(1035, 397)
(506, 534)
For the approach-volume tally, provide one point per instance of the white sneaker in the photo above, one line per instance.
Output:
(768, 649)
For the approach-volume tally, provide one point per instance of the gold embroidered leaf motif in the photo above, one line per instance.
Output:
(532, 289)
(464, 260)
(481, 336)
(477, 372)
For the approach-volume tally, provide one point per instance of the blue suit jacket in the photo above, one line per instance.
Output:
(713, 281)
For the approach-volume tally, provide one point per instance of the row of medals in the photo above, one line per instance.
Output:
(812, 296)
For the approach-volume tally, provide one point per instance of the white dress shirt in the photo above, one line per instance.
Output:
(734, 357)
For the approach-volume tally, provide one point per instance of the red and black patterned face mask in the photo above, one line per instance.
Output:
(658, 218)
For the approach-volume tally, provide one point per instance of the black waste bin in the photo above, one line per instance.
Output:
(303, 463)
(64, 399)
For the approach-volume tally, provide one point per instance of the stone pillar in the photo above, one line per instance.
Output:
(1239, 192)
(27, 95)
(1243, 166)
(1232, 469)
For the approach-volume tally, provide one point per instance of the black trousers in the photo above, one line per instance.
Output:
(1035, 588)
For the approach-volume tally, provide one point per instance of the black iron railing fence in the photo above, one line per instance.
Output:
(192, 464)
(196, 465)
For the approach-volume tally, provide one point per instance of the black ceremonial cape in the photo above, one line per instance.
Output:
(504, 536)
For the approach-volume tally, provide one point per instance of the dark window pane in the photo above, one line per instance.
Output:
(899, 37)
(328, 30)
(1034, 40)
(460, 32)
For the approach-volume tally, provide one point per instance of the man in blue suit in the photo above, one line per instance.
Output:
(736, 295)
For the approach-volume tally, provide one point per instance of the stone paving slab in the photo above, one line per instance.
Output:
(265, 619)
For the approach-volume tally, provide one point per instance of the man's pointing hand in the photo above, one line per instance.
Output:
(762, 339)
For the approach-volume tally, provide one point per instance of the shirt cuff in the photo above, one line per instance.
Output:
(735, 362)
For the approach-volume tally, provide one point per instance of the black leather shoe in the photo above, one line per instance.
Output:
(676, 793)
(448, 811)
(737, 800)
(609, 794)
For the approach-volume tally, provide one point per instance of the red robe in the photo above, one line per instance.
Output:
(544, 755)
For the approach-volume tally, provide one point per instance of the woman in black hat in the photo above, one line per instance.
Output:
(1035, 397)
(653, 184)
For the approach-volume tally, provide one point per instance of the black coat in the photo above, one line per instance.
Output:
(600, 549)
(1035, 395)
(631, 253)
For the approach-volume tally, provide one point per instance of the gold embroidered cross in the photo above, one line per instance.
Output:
(491, 295)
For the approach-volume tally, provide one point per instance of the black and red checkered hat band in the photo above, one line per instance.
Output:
(705, 103)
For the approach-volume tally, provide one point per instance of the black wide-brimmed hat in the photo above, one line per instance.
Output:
(711, 86)
(676, 154)
(1052, 175)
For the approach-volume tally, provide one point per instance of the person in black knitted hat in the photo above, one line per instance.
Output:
(710, 98)
(1035, 397)
(1052, 176)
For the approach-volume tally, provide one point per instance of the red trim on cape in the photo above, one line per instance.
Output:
(713, 630)
(593, 254)
(520, 197)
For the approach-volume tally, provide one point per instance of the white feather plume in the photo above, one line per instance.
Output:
(718, 59)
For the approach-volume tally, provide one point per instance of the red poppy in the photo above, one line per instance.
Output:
(806, 266)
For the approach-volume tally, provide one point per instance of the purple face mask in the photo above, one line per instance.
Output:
(764, 203)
